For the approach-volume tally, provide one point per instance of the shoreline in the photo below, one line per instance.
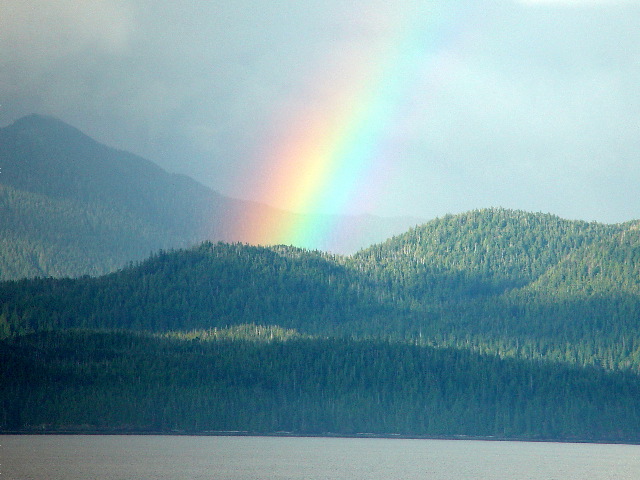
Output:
(388, 436)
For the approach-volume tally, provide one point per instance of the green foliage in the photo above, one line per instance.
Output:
(208, 286)
(256, 333)
(480, 253)
(493, 322)
(70, 206)
(515, 284)
(117, 381)
(489, 323)
(42, 237)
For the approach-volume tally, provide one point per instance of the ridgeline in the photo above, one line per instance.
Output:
(490, 323)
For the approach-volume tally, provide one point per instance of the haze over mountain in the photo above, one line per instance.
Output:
(439, 107)
(72, 206)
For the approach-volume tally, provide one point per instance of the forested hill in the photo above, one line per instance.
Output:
(511, 282)
(492, 323)
(488, 250)
(70, 206)
(257, 380)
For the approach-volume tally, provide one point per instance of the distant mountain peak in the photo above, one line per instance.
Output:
(44, 128)
(36, 120)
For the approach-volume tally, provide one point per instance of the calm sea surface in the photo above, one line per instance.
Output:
(79, 457)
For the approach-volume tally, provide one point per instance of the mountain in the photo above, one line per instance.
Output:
(493, 323)
(514, 282)
(520, 284)
(71, 206)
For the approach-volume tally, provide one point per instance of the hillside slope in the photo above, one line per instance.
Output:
(42, 236)
(62, 191)
(482, 252)
(510, 296)
(522, 284)
(493, 323)
(276, 381)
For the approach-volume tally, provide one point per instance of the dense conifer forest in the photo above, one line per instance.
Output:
(491, 323)
(228, 381)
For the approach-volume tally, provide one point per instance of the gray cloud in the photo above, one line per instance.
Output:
(529, 105)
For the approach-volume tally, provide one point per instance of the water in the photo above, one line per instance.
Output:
(78, 457)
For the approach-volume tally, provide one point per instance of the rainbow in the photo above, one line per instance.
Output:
(342, 159)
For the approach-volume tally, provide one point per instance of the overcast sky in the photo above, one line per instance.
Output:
(532, 105)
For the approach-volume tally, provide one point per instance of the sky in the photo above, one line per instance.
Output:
(404, 108)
